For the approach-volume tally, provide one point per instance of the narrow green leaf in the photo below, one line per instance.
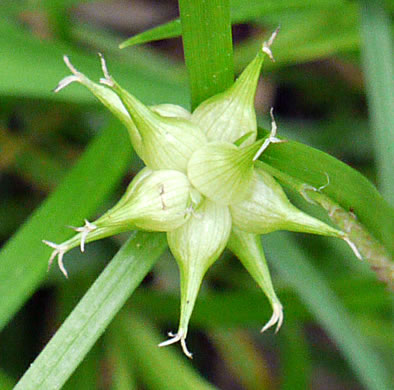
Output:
(93, 313)
(294, 267)
(168, 30)
(377, 55)
(207, 43)
(158, 368)
(24, 257)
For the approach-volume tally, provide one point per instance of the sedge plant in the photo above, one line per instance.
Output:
(200, 186)
(211, 181)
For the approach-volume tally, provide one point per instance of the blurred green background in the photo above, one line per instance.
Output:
(331, 87)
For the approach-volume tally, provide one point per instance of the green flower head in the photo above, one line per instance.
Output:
(201, 185)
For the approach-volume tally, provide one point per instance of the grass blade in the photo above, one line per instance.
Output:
(168, 30)
(377, 55)
(93, 313)
(207, 42)
(24, 258)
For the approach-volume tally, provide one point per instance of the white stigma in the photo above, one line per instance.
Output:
(59, 251)
(84, 230)
(70, 65)
(276, 318)
(76, 76)
(65, 82)
(353, 247)
(307, 187)
(267, 45)
(271, 139)
(174, 338)
(107, 80)
(324, 185)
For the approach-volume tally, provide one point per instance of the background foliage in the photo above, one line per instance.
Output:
(63, 159)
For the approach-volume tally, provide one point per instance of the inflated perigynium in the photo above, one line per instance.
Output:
(200, 185)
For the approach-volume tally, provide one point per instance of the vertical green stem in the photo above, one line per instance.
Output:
(207, 42)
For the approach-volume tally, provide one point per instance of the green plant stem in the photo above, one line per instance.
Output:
(207, 42)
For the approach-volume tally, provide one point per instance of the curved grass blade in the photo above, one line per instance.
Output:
(93, 313)
(172, 29)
